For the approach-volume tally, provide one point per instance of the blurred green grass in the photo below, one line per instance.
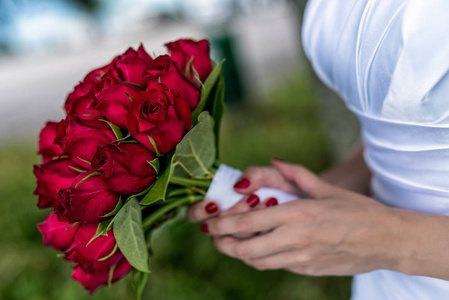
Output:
(283, 124)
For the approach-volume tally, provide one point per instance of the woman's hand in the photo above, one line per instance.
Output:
(331, 232)
(259, 177)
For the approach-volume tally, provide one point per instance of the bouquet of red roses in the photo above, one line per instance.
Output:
(138, 142)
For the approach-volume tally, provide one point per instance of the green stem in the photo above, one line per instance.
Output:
(190, 182)
(146, 224)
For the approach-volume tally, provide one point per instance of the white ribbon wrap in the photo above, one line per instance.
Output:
(222, 191)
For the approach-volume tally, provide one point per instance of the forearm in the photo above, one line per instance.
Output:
(423, 244)
(351, 173)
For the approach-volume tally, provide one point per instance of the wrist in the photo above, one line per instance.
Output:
(400, 239)
(421, 245)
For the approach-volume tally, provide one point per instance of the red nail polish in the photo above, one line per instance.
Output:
(242, 184)
(205, 228)
(211, 208)
(253, 200)
(271, 202)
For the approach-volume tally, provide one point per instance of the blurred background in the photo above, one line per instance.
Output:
(276, 107)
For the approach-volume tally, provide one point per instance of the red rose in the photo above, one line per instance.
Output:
(100, 276)
(161, 114)
(51, 177)
(131, 65)
(83, 88)
(87, 254)
(86, 200)
(67, 131)
(47, 148)
(164, 70)
(83, 112)
(183, 50)
(91, 272)
(126, 167)
(110, 97)
(95, 75)
(57, 234)
(83, 145)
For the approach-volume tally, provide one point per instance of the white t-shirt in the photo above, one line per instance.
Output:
(389, 61)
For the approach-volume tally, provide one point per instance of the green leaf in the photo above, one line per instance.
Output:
(135, 84)
(139, 194)
(77, 170)
(196, 152)
(141, 284)
(130, 237)
(153, 143)
(111, 221)
(111, 275)
(218, 109)
(189, 63)
(129, 97)
(102, 229)
(110, 254)
(206, 89)
(87, 177)
(116, 209)
(159, 188)
(122, 140)
(128, 142)
(155, 164)
(83, 160)
(117, 131)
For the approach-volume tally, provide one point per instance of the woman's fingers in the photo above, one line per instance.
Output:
(308, 183)
(252, 248)
(249, 222)
(253, 178)
(202, 211)
(280, 260)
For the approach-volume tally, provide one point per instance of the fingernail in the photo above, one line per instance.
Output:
(242, 184)
(205, 228)
(252, 200)
(211, 208)
(271, 202)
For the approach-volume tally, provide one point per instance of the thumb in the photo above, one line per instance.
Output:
(307, 182)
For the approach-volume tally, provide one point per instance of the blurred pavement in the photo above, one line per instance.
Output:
(33, 89)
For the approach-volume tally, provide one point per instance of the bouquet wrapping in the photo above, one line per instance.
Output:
(139, 141)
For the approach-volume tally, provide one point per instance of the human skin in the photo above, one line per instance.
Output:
(334, 229)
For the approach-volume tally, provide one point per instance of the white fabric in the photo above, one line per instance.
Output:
(221, 189)
(389, 61)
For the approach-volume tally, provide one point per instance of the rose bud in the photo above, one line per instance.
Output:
(182, 51)
(132, 64)
(126, 166)
(164, 70)
(47, 148)
(57, 234)
(100, 276)
(67, 130)
(160, 116)
(51, 177)
(112, 98)
(88, 199)
(83, 88)
(90, 255)
(83, 112)
(87, 252)
(83, 145)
